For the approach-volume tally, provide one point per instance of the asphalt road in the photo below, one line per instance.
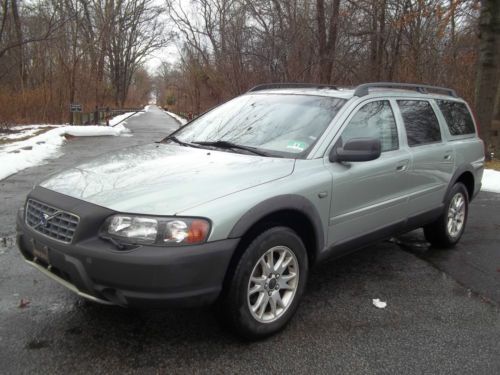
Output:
(443, 312)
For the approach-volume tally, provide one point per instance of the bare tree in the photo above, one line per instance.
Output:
(9, 19)
(136, 32)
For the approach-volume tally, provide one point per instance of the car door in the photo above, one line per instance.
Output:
(369, 197)
(433, 159)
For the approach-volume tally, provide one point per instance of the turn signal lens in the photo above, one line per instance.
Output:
(186, 231)
(198, 231)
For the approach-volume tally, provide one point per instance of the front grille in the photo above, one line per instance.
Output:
(50, 221)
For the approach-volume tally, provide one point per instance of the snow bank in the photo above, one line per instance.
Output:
(182, 120)
(491, 181)
(17, 156)
(115, 120)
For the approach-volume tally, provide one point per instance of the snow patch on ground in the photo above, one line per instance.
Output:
(379, 304)
(182, 120)
(491, 181)
(23, 131)
(17, 156)
(117, 119)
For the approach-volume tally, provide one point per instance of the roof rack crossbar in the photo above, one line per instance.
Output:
(363, 89)
(269, 86)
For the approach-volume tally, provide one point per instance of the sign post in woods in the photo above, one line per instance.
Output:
(74, 108)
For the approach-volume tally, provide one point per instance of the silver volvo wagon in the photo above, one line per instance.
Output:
(236, 206)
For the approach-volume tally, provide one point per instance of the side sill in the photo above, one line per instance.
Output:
(351, 245)
(343, 248)
(423, 218)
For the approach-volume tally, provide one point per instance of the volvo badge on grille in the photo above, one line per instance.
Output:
(44, 219)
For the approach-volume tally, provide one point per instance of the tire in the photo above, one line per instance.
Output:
(447, 230)
(249, 303)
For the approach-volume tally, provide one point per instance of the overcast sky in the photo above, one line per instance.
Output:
(171, 52)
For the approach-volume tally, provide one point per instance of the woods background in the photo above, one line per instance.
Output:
(54, 52)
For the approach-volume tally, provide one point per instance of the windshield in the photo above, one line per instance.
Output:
(280, 125)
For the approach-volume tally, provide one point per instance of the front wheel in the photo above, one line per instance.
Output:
(267, 284)
(447, 230)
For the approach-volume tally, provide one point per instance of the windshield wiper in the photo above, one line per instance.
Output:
(227, 144)
(182, 143)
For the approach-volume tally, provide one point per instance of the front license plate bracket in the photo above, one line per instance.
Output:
(40, 252)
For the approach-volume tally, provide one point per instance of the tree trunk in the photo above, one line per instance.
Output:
(495, 127)
(327, 43)
(19, 40)
(373, 41)
(488, 73)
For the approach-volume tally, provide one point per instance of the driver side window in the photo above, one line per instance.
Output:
(374, 120)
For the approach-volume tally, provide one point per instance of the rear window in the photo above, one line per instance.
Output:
(457, 117)
(420, 121)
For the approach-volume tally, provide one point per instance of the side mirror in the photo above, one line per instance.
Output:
(357, 149)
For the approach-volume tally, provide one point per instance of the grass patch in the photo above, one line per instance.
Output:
(493, 164)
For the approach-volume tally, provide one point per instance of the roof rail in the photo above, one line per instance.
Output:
(363, 89)
(268, 86)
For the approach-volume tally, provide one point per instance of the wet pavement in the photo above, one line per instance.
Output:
(475, 261)
(442, 316)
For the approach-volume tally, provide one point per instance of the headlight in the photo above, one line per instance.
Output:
(156, 230)
(140, 228)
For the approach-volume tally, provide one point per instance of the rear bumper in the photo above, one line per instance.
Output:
(146, 276)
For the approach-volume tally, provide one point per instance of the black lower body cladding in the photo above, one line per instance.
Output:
(147, 276)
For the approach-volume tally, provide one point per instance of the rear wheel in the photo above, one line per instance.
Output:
(267, 284)
(447, 230)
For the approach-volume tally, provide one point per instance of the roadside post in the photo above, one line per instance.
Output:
(75, 108)
(107, 116)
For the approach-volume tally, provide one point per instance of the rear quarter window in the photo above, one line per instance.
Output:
(457, 116)
(421, 123)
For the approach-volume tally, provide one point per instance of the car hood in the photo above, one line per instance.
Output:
(164, 179)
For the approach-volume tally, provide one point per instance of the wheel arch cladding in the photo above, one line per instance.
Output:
(289, 210)
(467, 178)
(465, 175)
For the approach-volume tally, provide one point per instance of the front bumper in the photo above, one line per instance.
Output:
(147, 276)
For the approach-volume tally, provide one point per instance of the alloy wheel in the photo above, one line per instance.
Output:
(456, 215)
(273, 284)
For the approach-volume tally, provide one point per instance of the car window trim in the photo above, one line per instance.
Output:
(457, 136)
(432, 104)
(357, 105)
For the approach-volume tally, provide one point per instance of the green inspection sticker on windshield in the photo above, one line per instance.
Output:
(297, 145)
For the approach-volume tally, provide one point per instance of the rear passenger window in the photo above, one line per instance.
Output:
(374, 120)
(457, 117)
(420, 121)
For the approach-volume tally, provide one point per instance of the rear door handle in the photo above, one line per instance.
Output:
(402, 166)
(448, 155)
